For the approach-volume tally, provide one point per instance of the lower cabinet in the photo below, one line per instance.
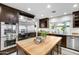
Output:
(73, 43)
(66, 51)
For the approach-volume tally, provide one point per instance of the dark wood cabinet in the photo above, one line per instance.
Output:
(8, 15)
(11, 15)
(64, 41)
(43, 23)
(76, 19)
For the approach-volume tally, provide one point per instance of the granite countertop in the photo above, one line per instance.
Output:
(65, 34)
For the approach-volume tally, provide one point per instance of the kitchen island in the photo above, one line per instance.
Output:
(69, 41)
(29, 47)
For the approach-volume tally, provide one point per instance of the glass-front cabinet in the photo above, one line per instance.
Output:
(8, 35)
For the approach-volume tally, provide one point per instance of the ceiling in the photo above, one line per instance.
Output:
(39, 9)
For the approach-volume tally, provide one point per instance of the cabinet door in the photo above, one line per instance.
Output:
(76, 43)
(0, 12)
(43, 23)
(76, 19)
(9, 15)
(63, 41)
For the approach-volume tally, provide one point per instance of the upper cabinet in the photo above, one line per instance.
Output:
(43, 23)
(76, 19)
(8, 15)
(11, 15)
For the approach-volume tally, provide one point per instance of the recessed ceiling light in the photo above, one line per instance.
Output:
(48, 6)
(42, 15)
(29, 9)
(53, 11)
(65, 13)
(75, 5)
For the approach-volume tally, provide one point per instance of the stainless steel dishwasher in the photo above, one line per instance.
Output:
(73, 42)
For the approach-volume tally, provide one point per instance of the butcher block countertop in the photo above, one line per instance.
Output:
(30, 47)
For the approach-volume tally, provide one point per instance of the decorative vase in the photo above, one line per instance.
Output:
(43, 38)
